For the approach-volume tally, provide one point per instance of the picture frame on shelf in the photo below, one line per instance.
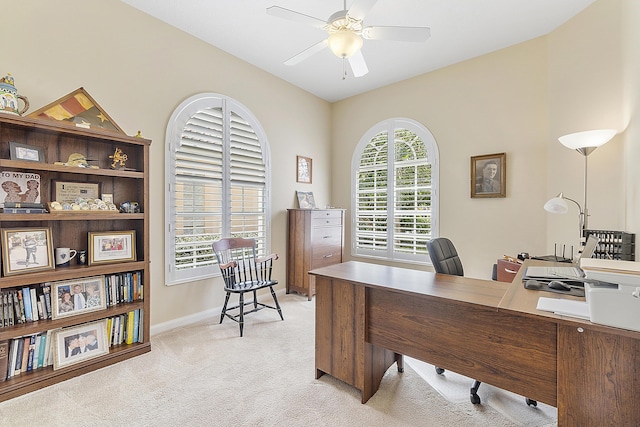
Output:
(69, 191)
(306, 200)
(77, 296)
(19, 187)
(25, 152)
(489, 176)
(304, 171)
(112, 246)
(26, 250)
(79, 343)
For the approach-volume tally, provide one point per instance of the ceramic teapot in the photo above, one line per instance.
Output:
(9, 97)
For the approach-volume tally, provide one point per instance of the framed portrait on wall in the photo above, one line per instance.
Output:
(489, 176)
(303, 169)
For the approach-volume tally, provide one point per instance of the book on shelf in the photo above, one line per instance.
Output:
(31, 351)
(34, 305)
(19, 350)
(25, 353)
(24, 205)
(24, 299)
(4, 360)
(24, 211)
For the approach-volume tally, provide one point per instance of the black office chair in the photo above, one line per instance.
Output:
(445, 260)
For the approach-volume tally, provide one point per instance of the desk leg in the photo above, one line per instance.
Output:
(400, 362)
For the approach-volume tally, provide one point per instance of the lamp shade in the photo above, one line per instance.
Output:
(344, 43)
(590, 138)
(557, 205)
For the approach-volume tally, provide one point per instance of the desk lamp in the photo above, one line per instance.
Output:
(584, 143)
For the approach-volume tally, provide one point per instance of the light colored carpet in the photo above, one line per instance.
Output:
(206, 375)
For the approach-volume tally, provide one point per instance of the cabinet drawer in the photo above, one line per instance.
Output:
(507, 270)
(322, 257)
(324, 218)
(326, 236)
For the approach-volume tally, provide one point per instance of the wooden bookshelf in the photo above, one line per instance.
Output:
(58, 140)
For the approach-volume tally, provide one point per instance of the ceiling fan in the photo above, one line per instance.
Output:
(345, 33)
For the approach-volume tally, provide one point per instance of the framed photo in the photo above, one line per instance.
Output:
(26, 250)
(26, 152)
(489, 176)
(19, 187)
(112, 246)
(79, 343)
(303, 169)
(69, 191)
(72, 297)
(306, 200)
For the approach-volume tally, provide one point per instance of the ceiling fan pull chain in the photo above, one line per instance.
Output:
(344, 68)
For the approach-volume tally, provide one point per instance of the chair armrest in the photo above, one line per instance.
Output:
(267, 258)
(231, 264)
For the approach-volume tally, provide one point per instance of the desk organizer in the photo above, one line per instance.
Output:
(616, 245)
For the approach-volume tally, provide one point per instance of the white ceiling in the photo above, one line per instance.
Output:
(460, 29)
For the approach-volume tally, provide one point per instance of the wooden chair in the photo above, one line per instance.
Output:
(244, 272)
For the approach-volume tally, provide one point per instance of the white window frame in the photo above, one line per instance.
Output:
(431, 147)
(181, 115)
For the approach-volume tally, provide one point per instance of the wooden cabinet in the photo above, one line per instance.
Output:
(315, 239)
(57, 140)
(507, 270)
(598, 381)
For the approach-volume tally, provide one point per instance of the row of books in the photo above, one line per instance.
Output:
(125, 328)
(33, 303)
(123, 287)
(27, 304)
(22, 208)
(31, 352)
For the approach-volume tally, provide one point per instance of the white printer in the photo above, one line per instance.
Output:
(614, 300)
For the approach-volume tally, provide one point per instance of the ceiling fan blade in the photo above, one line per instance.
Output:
(306, 53)
(291, 15)
(358, 64)
(402, 34)
(360, 8)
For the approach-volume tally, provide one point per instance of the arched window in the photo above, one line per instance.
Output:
(395, 202)
(217, 170)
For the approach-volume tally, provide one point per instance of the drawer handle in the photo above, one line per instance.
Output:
(510, 271)
(326, 237)
(328, 256)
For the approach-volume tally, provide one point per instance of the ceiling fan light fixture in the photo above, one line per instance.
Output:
(344, 43)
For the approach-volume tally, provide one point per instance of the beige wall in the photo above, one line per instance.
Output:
(517, 100)
(491, 104)
(586, 92)
(139, 70)
(631, 111)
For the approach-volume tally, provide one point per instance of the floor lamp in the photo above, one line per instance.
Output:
(584, 143)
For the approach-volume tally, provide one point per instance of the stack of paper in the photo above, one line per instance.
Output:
(565, 307)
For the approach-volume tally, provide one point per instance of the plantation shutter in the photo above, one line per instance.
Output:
(198, 190)
(218, 176)
(394, 193)
(248, 177)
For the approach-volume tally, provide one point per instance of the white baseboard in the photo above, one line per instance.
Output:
(192, 318)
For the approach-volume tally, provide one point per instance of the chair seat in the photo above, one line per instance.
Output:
(250, 285)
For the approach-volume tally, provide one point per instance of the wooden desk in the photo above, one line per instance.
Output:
(368, 315)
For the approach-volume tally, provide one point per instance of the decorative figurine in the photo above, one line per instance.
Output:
(9, 97)
(77, 160)
(119, 158)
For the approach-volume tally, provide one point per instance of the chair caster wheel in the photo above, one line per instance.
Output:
(475, 399)
(439, 371)
(531, 402)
